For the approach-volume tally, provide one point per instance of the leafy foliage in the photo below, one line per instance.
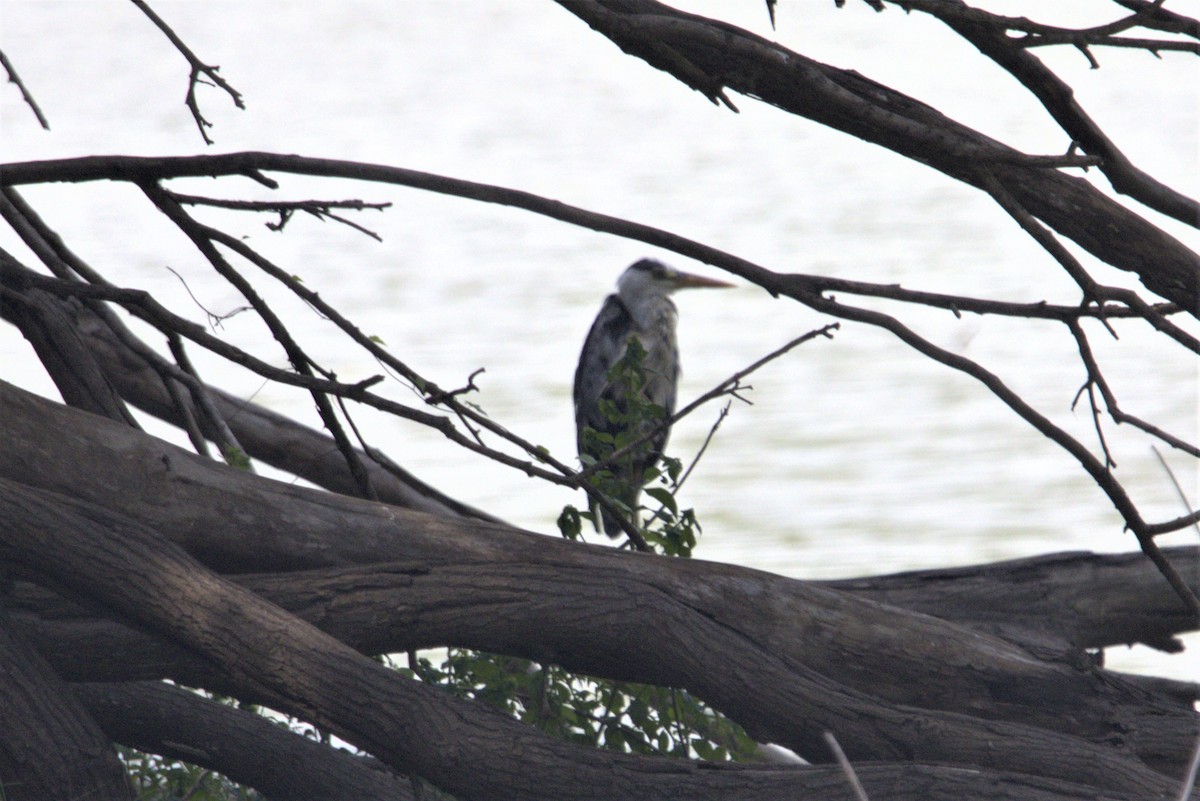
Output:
(156, 778)
(624, 447)
(621, 716)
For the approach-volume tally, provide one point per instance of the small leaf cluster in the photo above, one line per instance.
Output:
(619, 716)
(631, 416)
(157, 778)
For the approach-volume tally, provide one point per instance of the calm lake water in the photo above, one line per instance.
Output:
(856, 456)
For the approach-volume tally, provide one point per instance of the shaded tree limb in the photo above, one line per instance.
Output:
(159, 718)
(45, 321)
(70, 759)
(1079, 599)
(391, 607)
(428, 543)
(1045, 602)
(988, 33)
(411, 726)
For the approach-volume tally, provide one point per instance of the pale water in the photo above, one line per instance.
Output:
(857, 456)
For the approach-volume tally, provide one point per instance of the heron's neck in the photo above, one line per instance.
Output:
(651, 311)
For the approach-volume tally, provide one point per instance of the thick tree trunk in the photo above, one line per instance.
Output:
(464, 747)
(50, 748)
(1078, 600)
(785, 658)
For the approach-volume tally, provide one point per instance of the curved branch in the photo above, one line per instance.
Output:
(159, 718)
(796, 287)
(989, 33)
(848, 102)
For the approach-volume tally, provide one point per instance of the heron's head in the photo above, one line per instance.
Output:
(651, 277)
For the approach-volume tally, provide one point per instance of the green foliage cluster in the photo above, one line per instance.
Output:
(621, 716)
(614, 455)
(156, 778)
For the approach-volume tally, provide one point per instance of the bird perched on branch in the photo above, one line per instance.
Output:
(626, 379)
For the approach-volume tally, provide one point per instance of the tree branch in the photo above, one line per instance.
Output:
(989, 33)
(198, 70)
(14, 78)
(159, 718)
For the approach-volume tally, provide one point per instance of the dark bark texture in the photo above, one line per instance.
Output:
(787, 659)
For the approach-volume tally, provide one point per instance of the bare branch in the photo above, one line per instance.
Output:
(199, 70)
(321, 209)
(801, 289)
(299, 359)
(26, 95)
(989, 33)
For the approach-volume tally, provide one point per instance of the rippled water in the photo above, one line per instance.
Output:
(857, 455)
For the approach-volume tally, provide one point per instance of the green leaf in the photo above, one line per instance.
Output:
(664, 496)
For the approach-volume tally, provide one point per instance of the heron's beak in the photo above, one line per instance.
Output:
(689, 281)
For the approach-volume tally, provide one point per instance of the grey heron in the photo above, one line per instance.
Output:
(641, 310)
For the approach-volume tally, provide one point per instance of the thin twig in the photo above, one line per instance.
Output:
(1154, 529)
(846, 767)
(198, 69)
(286, 208)
(1178, 489)
(1110, 399)
(1189, 776)
(14, 78)
(720, 389)
(712, 432)
(175, 391)
(1094, 378)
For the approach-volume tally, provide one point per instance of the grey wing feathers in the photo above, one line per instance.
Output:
(604, 346)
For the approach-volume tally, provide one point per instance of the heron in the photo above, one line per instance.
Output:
(640, 310)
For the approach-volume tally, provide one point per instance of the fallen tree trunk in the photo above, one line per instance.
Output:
(411, 726)
(908, 669)
(1080, 599)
